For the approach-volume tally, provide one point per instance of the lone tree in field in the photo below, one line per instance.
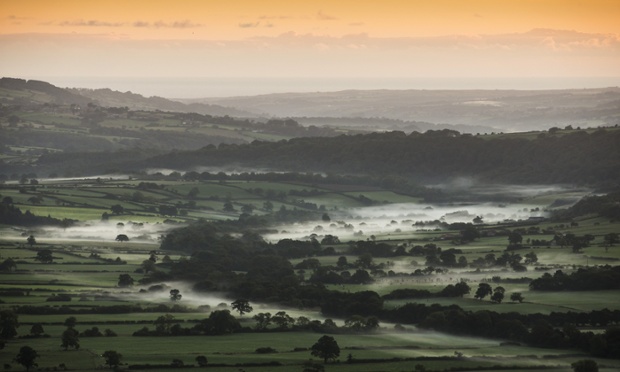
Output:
(242, 306)
(516, 297)
(112, 358)
(201, 360)
(8, 324)
(26, 357)
(327, 348)
(514, 238)
(122, 238)
(117, 209)
(70, 339)
(125, 280)
(37, 330)
(175, 295)
(45, 256)
(31, 240)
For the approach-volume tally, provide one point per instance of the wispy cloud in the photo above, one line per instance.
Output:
(157, 24)
(16, 18)
(178, 24)
(91, 23)
(249, 24)
(553, 40)
(324, 17)
(274, 17)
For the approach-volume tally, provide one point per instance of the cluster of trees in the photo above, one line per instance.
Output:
(12, 215)
(584, 279)
(607, 205)
(578, 157)
(459, 289)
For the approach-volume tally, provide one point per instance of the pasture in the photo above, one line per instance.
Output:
(87, 263)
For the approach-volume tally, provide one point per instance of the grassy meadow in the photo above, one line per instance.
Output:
(87, 263)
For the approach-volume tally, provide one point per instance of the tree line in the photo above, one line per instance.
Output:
(577, 158)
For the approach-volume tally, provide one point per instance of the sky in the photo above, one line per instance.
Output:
(220, 47)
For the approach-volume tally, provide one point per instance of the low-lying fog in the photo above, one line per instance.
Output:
(402, 218)
(357, 223)
(101, 231)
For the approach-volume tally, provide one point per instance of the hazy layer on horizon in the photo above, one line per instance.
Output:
(204, 87)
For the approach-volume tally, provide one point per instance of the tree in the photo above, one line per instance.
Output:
(117, 209)
(125, 280)
(220, 322)
(228, 206)
(26, 357)
(469, 234)
(45, 256)
(514, 238)
(242, 306)
(498, 294)
(31, 240)
(122, 238)
(483, 290)
(112, 358)
(69, 339)
(327, 348)
(531, 258)
(148, 266)
(585, 365)
(175, 295)
(516, 297)
(163, 323)
(8, 324)
(36, 330)
(342, 262)
(193, 193)
(262, 321)
(201, 360)
(70, 322)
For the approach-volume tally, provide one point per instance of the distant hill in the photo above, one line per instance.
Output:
(22, 91)
(110, 98)
(499, 110)
(35, 92)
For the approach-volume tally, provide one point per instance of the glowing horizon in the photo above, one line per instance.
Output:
(443, 39)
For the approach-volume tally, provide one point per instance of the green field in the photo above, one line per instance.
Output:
(84, 268)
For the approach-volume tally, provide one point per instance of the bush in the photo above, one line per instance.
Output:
(266, 350)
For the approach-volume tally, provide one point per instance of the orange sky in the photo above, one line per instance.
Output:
(238, 19)
(304, 38)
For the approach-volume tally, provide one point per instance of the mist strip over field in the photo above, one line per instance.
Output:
(98, 231)
(401, 218)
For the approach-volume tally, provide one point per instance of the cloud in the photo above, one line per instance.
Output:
(139, 24)
(274, 17)
(552, 40)
(177, 24)
(324, 17)
(249, 25)
(16, 18)
(355, 24)
(91, 23)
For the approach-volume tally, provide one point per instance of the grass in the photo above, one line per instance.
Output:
(76, 273)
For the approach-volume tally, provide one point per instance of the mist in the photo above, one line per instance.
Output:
(98, 231)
